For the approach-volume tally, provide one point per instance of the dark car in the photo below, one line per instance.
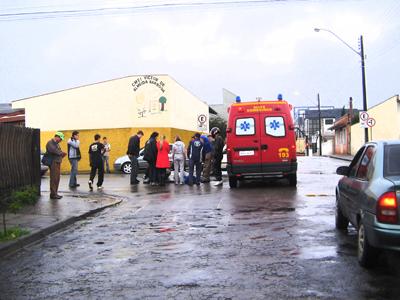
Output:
(367, 196)
(43, 168)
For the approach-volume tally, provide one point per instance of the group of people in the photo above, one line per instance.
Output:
(203, 153)
(99, 153)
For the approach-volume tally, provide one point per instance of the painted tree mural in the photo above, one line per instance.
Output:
(162, 100)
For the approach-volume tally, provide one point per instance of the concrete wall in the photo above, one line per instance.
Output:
(327, 147)
(387, 127)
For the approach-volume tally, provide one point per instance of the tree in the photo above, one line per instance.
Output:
(217, 121)
(162, 100)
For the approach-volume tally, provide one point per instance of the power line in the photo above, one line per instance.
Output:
(123, 9)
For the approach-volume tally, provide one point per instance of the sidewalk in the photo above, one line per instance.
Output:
(48, 216)
(342, 157)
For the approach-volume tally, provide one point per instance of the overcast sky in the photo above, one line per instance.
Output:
(252, 49)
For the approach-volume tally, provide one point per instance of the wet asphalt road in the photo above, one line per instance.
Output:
(261, 241)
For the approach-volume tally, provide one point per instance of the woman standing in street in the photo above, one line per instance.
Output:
(178, 157)
(162, 159)
(150, 155)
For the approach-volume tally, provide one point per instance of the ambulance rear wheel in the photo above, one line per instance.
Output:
(292, 179)
(233, 182)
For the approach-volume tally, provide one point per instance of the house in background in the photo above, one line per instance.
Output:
(307, 120)
(221, 110)
(342, 130)
(387, 126)
(11, 116)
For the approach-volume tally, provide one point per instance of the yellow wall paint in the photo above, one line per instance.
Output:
(118, 138)
(387, 127)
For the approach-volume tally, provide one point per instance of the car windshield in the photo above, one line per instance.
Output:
(392, 160)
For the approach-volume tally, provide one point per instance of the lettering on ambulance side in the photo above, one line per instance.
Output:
(283, 153)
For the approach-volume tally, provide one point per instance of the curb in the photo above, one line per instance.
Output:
(42, 233)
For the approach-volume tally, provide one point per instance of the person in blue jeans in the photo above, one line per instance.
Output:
(195, 153)
(74, 155)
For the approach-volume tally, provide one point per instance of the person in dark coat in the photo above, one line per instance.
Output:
(53, 149)
(133, 153)
(218, 154)
(96, 151)
(195, 153)
(150, 155)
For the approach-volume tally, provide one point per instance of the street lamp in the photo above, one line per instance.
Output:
(361, 54)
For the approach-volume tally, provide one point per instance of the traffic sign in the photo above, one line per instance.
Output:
(202, 122)
(363, 116)
(371, 122)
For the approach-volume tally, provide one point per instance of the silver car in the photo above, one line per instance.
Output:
(123, 163)
(368, 197)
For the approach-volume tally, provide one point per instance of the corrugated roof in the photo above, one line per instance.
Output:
(335, 113)
(5, 108)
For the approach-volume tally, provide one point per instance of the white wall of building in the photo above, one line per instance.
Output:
(132, 101)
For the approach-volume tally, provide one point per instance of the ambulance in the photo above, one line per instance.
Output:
(260, 141)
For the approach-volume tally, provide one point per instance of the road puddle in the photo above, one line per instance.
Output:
(318, 252)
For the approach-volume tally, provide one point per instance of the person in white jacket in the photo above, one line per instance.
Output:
(179, 157)
(74, 155)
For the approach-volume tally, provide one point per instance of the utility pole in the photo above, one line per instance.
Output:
(364, 89)
(319, 127)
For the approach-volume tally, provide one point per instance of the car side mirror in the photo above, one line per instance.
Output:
(343, 170)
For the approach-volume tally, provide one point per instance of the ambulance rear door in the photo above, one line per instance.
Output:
(274, 144)
(245, 144)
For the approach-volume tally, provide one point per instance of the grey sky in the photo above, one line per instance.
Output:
(253, 49)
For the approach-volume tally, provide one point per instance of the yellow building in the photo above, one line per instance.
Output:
(116, 109)
(387, 126)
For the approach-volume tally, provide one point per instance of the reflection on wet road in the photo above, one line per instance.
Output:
(260, 241)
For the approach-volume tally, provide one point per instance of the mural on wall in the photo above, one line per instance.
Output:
(149, 100)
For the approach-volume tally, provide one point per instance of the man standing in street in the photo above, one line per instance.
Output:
(133, 153)
(54, 151)
(96, 151)
(106, 155)
(218, 154)
(195, 154)
(207, 149)
(74, 155)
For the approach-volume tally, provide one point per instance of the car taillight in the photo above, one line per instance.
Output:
(228, 154)
(386, 209)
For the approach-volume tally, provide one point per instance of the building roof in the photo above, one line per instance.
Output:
(341, 122)
(9, 115)
(335, 113)
(5, 109)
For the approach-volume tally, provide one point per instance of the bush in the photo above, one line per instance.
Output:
(15, 200)
(12, 233)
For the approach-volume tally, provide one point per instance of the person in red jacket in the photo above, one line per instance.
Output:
(162, 159)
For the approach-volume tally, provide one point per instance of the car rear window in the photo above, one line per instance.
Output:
(275, 126)
(245, 126)
(392, 160)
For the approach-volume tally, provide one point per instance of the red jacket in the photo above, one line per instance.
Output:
(162, 156)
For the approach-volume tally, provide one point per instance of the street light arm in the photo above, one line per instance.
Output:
(339, 38)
